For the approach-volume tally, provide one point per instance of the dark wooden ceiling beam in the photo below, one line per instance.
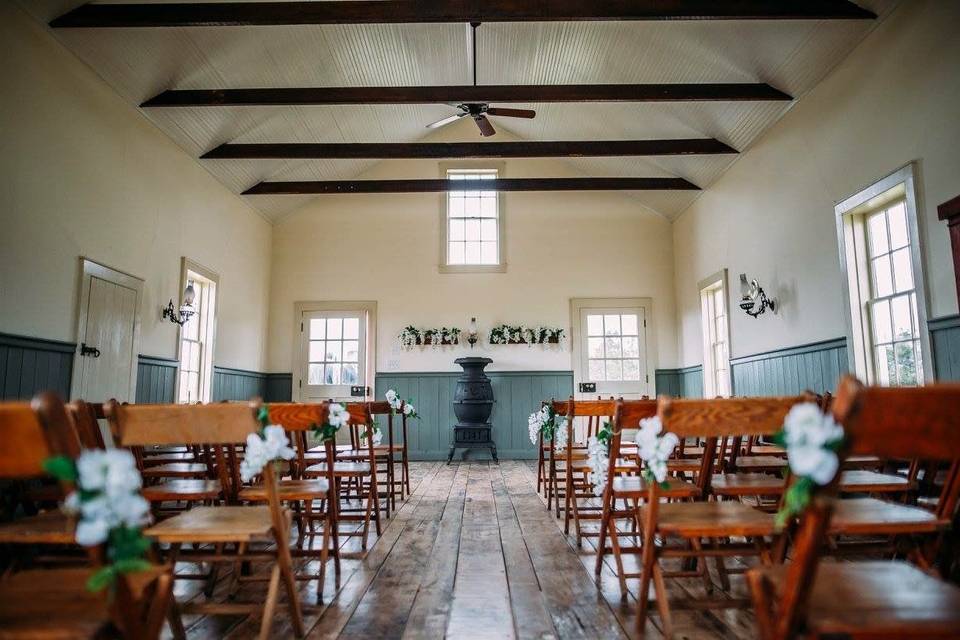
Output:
(434, 11)
(440, 185)
(413, 150)
(301, 96)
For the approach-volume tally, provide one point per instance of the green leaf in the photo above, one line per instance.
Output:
(263, 415)
(103, 578)
(61, 467)
(780, 439)
(131, 565)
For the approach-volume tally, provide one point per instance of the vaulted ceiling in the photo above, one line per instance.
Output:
(139, 63)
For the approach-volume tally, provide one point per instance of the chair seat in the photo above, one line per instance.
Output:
(635, 487)
(712, 519)
(340, 469)
(176, 470)
(760, 463)
(622, 465)
(876, 599)
(864, 516)
(860, 480)
(214, 524)
(50, 527)
(862, 462)
(684, 465)
(183, 489)
(767, 450)
(746, 484)
(55, 603)
(51, 603)
(290, 490)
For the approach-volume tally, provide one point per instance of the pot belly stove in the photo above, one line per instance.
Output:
(473, 404)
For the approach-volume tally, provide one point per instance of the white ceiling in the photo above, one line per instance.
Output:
(139, 63)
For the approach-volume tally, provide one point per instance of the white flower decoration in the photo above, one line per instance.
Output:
(599, 461)
(338, 415)
(655, 449)
(393, 399)
(111, 483)
(808, 435)
(260, 451)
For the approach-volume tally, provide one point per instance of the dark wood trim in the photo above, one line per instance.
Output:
(410, 11)
(569, 149)
(158, 361)
(440, 185)
(287, 96)
(949, 211)
(40, 344)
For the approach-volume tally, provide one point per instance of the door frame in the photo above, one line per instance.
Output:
(88, 269)
(370, 365)
(577, 305)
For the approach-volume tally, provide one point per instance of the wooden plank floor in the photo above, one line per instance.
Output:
(472, 554)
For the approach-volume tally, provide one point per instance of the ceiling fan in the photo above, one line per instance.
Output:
(480, 110)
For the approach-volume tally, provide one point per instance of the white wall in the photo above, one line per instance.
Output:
(83, 173)
(894, 100)
(386, 248)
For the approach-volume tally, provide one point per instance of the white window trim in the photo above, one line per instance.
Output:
(576, 335)
(710, 282)
(900, 183)
(467, 165)
(370, 364)
(206, 372)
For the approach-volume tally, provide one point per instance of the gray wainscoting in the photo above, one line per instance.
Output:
(237, 384)
(156, 380)
(945, 342)
(680, 383)
(517, 393)
(279, 387)
(30, 365)
(814, 367)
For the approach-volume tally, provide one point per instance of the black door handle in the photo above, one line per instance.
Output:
(89, 351)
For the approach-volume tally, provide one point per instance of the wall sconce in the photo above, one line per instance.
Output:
(186, 309)
(752, 293)
(472, 333)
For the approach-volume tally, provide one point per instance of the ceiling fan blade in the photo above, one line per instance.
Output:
(486, 129)
(447, 120)
(511, 113)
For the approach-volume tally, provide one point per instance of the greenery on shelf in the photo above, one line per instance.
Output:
(418, 337)
(519, 334)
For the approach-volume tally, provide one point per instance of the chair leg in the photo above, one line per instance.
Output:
(702, 565)
(602, 539)
(214, 571)
(646, 574)
(324, 555)
(618, 559)
(567, 499)
(663, 605)
(376, 507)
(175, 620)
(721, 568)
(285, 564)
(406, 469)
(270, 605)
(237, 568)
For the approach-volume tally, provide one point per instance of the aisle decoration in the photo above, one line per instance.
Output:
(400, 406)
(655, 449)
(269, 444)
(414, 337)
(812, 440)
(337, 416)
(519, 334)
(545, 421)
(110, 508)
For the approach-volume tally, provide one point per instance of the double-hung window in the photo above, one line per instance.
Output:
(716, 351)
(880, 254)
(472, 230)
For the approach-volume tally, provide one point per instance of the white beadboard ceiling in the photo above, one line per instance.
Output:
(792, 55)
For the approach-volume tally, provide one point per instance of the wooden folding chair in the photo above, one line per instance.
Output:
(697, 523)
(869, 599)
(317, 496)
(359, 474)
(55, 603)
(220, 426)
(630, 490)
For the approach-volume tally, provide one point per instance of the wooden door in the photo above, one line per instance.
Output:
(610, 348)
(105, 363)
(333, 354)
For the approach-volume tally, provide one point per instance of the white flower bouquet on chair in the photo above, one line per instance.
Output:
(399, 406)
(812, 440)
(655, 449)
(110, 508)
(545, 422)
(262, 448)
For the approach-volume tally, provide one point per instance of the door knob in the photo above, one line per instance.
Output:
(89, 351)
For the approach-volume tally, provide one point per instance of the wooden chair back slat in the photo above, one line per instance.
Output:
(633, 411)
(380, 407)
(921, 422)
(719, 417)
(31, 433)
(295, 416)
(84, 416)
(585, 408)
(156, 424)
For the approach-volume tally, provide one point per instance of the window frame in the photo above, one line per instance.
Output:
(207, 335)
(501, 266)
(708, 286)
(851, 214)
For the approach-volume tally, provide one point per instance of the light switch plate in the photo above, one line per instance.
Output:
(588, 387)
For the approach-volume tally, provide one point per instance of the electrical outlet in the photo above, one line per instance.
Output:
(588, 387)
(358, 392)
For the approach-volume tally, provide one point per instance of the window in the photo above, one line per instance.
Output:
(880, 255)
(473, 239)
(196, 336)
(610, 344)
(892, 305)
(716, 337)
(332, 350)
